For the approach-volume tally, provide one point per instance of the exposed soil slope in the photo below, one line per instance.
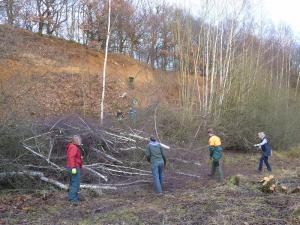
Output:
(45, 75)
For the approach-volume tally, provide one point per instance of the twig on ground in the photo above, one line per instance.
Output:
(185, 161)
(187, 174)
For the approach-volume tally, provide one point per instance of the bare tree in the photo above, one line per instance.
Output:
(51, 15)
(9, 8)
(104, 66)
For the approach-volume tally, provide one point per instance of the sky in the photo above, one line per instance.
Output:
(287, 11)
(278, 11)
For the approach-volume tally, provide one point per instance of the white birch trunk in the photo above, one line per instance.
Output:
(104, 66)
(227, 62)
(207, 71)
(212, 77)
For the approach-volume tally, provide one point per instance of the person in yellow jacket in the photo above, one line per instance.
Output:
(215, 152)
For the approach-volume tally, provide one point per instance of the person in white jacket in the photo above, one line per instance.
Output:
(266, 152)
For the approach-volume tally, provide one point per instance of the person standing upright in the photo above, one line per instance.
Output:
(215, 153)
(132, 115)
(155, 155)
(266, 152)
(74, 165)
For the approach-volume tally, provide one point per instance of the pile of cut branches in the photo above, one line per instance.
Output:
(112, 157)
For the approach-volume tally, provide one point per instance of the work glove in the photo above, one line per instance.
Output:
(74, 171)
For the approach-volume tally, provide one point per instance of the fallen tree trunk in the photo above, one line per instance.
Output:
(41, 176)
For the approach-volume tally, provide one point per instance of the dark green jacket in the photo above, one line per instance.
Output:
(215, 152)
(154, 152)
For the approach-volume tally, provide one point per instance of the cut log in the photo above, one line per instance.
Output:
(56, 183)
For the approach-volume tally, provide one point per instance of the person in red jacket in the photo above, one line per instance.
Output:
(74, 165)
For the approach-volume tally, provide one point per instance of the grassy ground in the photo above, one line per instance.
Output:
(186, 200)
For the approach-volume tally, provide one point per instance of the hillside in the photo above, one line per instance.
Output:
(42, 76)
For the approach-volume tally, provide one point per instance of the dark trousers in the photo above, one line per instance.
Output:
(74, 185)
(157, 168)
(264, 159)
(216, 168)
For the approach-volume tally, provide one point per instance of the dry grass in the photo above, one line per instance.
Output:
(293, 153)
(194, 202)
(48, 71)
(215, 205)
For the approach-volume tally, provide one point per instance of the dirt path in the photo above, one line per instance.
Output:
(187, 199)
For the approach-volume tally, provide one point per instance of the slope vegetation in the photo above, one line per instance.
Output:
(42, 76)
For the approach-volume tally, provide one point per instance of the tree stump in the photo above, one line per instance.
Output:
(268, 184)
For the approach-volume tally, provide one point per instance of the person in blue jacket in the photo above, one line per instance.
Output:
(266, 152)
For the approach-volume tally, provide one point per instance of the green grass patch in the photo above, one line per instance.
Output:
(293, 152)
